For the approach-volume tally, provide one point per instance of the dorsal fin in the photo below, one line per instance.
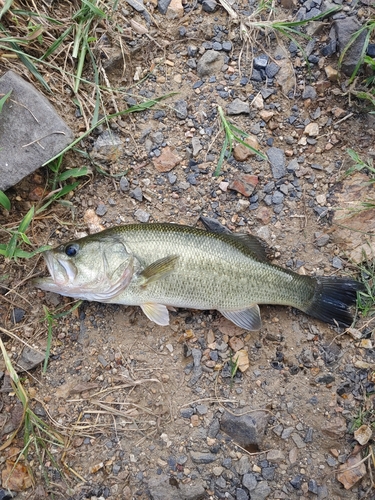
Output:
(256, 246)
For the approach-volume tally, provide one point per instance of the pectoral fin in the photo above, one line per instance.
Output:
(249, 318)
(158, 313)
(158, 270)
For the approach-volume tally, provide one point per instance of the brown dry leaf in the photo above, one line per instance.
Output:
(241, 357)
(351, 474)
(15, 477)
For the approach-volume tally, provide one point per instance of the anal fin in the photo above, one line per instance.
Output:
(249, 318)
(158, 313)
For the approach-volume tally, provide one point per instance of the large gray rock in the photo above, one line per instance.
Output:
(31, 132)
(246, 430)
(345, 28)
(210, 63)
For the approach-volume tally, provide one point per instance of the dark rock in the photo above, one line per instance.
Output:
(180, 109)
(217, 46)
(101, 210)
(296, 482)
(276, 157)
(249, 481)
(329, 49)
(277, 198)
(313, 486)
(137, 194)
(31, 132)
(246, 430)
(30, 358)
(241, 494)
(209, 5)
(260, 62)
(137, 5)
(345, 28)
(256, 75)
(272, 69)
(186, 412)
(261, 491)
(213, 428)
(238, 107)
(163, 6)
(309, 92)
(17, 315)
(210, 63)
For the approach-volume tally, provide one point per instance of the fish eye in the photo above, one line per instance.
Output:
(71, 250)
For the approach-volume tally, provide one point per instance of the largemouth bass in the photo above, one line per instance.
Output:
(156, 266)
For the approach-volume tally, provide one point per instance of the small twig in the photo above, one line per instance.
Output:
(44, 137)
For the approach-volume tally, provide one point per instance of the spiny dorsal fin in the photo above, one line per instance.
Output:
(256, 246)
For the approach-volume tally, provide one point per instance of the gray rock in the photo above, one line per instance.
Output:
(137, 5)
(209, 5)
(345, 28)
(241, 494)
(246, 430)
(137, 194)
(261, 492)
(238, 107)
(277, 197)
(250, 481)
(196, 375)
(313, 486)
(210, 63)
(17, 315)
(309, 92)
(30, 358)
(276, 157)
(124, 184)
(227, 46)
(272, 69)
(172, 178)
(141, 215)
(101, 210)
(180, 109)
(186, 412)
(163, 6)
(199, 457)
(261, 61)
(213, 428)
(197, 356)
(337, 263)
(31, 132)
(242, 466)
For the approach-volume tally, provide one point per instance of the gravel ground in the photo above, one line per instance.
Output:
(154, 412)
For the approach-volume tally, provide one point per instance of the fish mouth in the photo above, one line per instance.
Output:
(61, 273)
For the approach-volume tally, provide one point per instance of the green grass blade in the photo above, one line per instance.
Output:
(3, 100)
(5, 201)
(26, 220)
(11, 246)
(57, 43)
(6, 7)
(74, 172)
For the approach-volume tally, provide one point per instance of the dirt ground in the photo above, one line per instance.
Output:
(118, 388)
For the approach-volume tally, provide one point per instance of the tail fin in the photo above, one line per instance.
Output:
(332, 299)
